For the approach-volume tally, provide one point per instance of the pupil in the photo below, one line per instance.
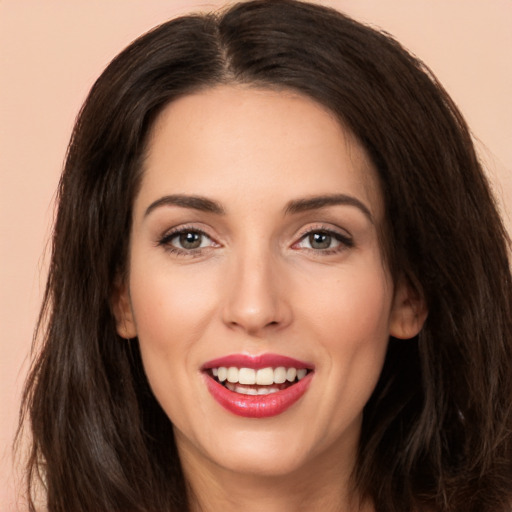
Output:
(190, 240)
(320, 240)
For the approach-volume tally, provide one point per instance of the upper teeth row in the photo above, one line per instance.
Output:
(264, 376)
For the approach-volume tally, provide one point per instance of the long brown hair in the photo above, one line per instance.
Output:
(437, 430)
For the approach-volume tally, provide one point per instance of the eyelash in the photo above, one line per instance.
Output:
(345, 241)
(165, 241)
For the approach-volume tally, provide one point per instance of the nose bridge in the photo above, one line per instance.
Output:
(255, 298)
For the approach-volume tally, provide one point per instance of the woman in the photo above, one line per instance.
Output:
(278, 282)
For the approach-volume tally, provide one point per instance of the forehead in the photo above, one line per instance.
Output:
(248, 142)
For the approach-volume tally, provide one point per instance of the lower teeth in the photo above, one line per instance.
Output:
(244, 390)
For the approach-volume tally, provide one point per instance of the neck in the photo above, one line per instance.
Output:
(254, 495)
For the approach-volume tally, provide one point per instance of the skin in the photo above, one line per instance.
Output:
(259, 283)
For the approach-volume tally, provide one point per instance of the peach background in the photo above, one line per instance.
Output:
(51, 52)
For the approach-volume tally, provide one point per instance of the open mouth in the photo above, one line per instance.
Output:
(257, 386)
(263, 381)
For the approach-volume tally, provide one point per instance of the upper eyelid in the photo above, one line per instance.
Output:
(184, 228)
(325, 228)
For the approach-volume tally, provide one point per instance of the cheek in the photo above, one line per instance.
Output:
(350, 319)
(172, 310)
(354, 308)
(170, 307)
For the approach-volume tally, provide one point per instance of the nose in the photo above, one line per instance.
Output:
(256, 298)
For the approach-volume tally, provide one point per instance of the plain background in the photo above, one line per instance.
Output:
(52, 51)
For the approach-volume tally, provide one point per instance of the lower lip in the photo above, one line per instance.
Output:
(258, 406)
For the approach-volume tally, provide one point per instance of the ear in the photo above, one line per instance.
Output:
(122, 310)
(409, 311)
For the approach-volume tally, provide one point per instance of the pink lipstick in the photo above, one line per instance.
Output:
(257, 386)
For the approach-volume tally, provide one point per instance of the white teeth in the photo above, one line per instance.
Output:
(247, 376)
(246, 391)
(265, 377)
(291, 373)
(222, 373)
(232, 374)
(261, 377)
(250, 391)
(301, 373)
(280, 375)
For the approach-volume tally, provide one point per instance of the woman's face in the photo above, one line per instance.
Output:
(255, 258)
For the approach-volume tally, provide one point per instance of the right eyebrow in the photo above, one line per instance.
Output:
(185, 201)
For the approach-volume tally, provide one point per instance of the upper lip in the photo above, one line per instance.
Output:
(256, 362)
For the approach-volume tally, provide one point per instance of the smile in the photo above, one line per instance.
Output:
(249, 381)
(255, 387)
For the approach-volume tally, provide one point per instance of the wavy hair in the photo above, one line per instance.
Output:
(436, 432)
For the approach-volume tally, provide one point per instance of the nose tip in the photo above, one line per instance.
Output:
(256, 302)
(253, 319)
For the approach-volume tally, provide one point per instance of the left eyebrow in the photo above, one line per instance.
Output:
(318, 202)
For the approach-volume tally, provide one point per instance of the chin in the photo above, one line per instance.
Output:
(273, 449)
(263, 462)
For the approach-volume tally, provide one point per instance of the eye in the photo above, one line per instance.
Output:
(320, 240)
(186, 240)
(323, 240)
(189, 240)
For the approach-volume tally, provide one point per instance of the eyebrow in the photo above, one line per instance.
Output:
(296, 206)
(318, 202)
(184, 201)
